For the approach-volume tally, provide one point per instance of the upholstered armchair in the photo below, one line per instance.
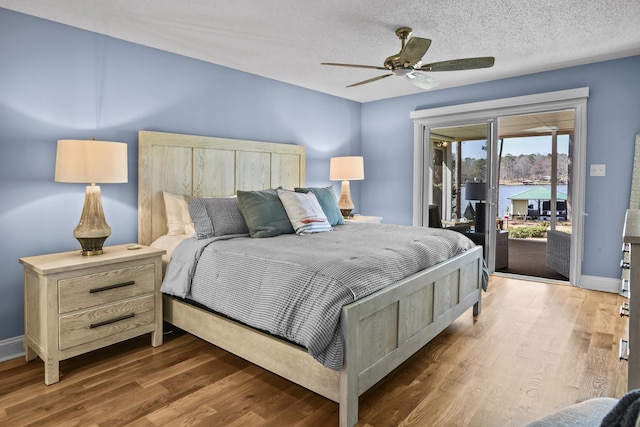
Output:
(596, 412)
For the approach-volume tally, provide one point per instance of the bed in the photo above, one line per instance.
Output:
(379, 331)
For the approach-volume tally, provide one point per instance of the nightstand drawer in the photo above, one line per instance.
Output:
(90, 325)
(101, 288)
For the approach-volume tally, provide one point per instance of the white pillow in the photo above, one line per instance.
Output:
(304, 212)
(177, 213)
(169, 244)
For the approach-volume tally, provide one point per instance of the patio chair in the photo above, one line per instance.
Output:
(558, 251)
(533, 214)
(435, 221)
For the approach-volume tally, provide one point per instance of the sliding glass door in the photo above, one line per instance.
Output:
(535, 159)
(446, 169)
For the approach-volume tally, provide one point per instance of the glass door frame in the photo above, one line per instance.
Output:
(490, 179)
(456, 115)
(444, 201)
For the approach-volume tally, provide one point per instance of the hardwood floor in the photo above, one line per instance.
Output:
(535, 348)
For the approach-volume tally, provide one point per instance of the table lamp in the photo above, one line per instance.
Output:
(82, 161)
(346, 169)
(477, 191)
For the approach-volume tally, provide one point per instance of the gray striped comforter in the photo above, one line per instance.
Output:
(294, 286)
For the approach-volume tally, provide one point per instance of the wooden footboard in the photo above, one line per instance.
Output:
(380, 331)
(384, 329)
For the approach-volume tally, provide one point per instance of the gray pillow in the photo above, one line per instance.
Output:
(213, 217)
(264, 214)
(327, 199)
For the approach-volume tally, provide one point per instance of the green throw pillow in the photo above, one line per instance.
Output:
(264, 214)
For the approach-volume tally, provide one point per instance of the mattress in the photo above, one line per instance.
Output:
(295, 286)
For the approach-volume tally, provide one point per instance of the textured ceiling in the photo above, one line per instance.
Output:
(286, 40)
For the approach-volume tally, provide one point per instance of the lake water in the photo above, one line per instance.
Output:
(507, 191)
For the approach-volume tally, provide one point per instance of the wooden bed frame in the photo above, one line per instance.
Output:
(380, 331)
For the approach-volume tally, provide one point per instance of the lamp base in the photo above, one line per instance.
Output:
(92, 230)
(91, 246)
(345, 204)
(480, 217)
(346, 213)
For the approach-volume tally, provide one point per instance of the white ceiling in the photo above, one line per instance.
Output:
(286, 40)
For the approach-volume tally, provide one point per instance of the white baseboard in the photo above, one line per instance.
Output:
(605, 284)
(11, 348)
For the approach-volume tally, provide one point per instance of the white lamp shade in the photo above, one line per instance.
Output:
(346, 168)
(93, 162)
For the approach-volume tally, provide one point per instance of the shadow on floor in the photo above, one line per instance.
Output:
(528, 258)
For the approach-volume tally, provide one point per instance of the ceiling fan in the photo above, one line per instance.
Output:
(408, 62)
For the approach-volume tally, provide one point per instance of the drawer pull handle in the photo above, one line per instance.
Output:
(625, 286)
(108, 288)
(624, 309)
(110, 321)
(625, 265)
(623, 350)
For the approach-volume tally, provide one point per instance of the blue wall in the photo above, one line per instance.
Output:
(58, 82)
(613, 120)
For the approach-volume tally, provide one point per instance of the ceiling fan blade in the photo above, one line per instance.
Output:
(371, 67)
(421, 80)
(371, 80)
(460, 64)
(413, 51)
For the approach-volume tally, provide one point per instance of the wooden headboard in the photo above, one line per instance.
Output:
(202, 166)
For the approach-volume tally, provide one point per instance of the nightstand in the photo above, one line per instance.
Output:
(364, 219)
(74, 304)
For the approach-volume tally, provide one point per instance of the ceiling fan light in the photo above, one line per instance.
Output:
(422, 80)
(402, 71)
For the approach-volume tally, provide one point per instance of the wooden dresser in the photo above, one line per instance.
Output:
(631, 239)
(74, 304)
